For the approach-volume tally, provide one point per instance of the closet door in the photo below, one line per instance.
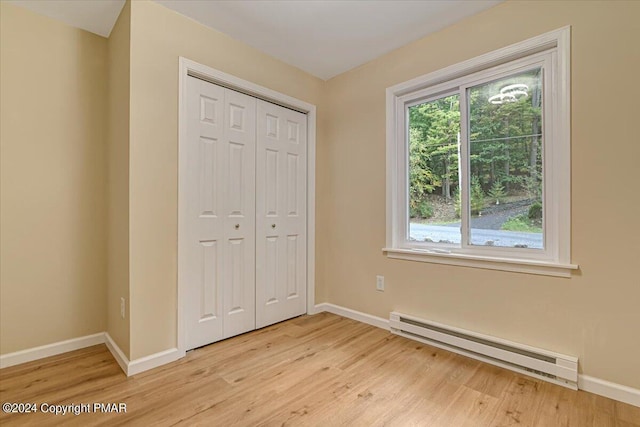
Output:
(217, 218)
(280, 214)
(239, 193)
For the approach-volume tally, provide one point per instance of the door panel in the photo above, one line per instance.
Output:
(280, 214)
(209, 282)
(240, 138)
(271, 182)
(201, 223)
(270, 279)
(219, 216)
(208, 167)
(292, 185)
(236, 172)
(293, 281)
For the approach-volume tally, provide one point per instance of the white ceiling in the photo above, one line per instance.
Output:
(322, 37)
(97, 17)
(326, 38)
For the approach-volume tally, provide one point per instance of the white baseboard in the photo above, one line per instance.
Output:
(53, 349)
(313, 309)
(153, 361)
(608, 389)
(117, 353)
(141, 364)
(128, 367)
(378, 322)
(593, 385)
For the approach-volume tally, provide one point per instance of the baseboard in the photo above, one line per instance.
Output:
(378, 322)
(153, 361)
(117, 353)
(136, 366)
(128, 367)
(53, 349)
(593, 385)
(313, 309)
(608, 389)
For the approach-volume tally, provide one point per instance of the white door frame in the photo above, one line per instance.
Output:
(187, 68)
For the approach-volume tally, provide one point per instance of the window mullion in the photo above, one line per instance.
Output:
(403, 173)
(463, 167)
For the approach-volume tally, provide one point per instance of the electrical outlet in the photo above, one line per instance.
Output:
(122, 307)
(380, 283)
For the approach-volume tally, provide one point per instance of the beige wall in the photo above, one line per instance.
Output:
(118, 179)
(53, 241)
(594, 315)
(158, 37)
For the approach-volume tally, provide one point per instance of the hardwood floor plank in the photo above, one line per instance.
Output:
(521, 402)
(321, 370)
(626, 413)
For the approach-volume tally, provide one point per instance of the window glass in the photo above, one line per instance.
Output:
(505, 162)
(434, 140)
(505, 206)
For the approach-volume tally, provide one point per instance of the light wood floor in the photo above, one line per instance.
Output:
(321, 370)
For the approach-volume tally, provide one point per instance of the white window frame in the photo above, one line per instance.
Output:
(551, 51)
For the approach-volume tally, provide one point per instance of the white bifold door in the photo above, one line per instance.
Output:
(281, 254)
(242, 214)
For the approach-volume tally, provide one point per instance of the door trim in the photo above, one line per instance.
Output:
(187, 68)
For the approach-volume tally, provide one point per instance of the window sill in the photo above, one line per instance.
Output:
(544, 268)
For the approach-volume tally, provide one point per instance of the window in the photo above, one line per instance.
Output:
(478, 161)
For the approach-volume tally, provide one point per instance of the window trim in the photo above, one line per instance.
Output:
(553, 48)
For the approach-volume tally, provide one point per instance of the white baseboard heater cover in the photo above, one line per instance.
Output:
(542, 364)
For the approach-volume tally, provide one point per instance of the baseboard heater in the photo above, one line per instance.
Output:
(546, 365)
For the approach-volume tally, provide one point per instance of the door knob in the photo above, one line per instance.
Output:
(237, 226)
(273, 226)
